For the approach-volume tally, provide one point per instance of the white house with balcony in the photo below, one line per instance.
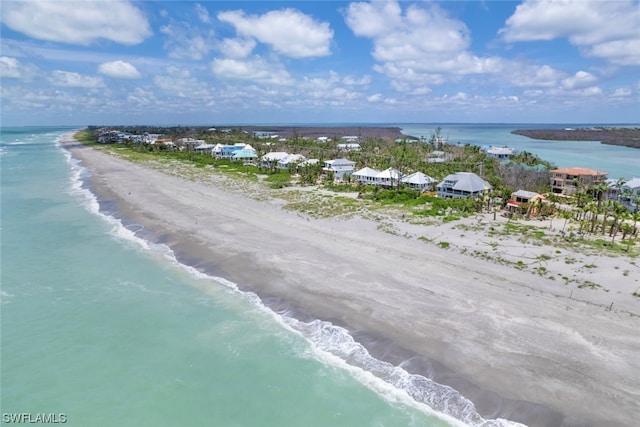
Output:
(271, 159)
(291, 161)
(462, 184)
(339, 167)
(388, 178)
(500, 153)
(365, 175)
(419, 181)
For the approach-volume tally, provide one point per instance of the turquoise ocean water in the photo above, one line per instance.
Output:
(107, 329)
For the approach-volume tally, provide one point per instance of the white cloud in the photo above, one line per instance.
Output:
(10, 67)
(607, 30)
(400, 37)
(254, 69)
(236, 48)
(185, 42)
(355, 81)
(376, 97)
(119, 70)
(581, 79)
(618, 52)
(180, 83)
(419, 47)
(591, 91)
(288, 31)
(71, 79)
(80, 22)
(142, 97)
(533, 76)
(319, 84)
(621, 93)
(373, 19)
(203, 14)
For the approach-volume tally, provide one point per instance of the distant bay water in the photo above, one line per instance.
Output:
(616, 161)
(102, 328)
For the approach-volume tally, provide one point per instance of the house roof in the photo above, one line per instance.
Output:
(291, 158)
(275, 156)
(524, 194)
(500, 150)
(466, 181)
(309, 162)
(204, 146)
(366, 172)
(579, 171)
(632, 184)
(348, 145)
(245, 153)
(340, 162)
(418, 178)
(389, 174)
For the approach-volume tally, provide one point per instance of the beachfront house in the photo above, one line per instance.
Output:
(500, 153)
(365, 176)
(223, 151)
(291, 161)
(350, 139)
(567, 181)
(246, 155)
(203, 147)
(271, 159)
(262, 134)
(419, 181)
(630, 194)
(388, 178)
(351, 146)
(529, 199)
(462, 184)
(339, 167)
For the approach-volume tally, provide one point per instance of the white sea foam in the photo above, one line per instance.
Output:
(90, 201)
(329, 343)
(5, 297)
(335, 345)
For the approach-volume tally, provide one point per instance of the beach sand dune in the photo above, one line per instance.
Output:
(514, 343)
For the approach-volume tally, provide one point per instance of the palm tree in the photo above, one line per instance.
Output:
(598, 191)
(592, 209)
(607, 206)
(566, 215)
(618, 217)
(618, 186)
(636, 217)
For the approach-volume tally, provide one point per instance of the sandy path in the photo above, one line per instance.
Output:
(511, 342)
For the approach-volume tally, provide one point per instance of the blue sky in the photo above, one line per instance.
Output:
(216, 62)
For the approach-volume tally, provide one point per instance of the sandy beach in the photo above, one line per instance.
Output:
(520, 344)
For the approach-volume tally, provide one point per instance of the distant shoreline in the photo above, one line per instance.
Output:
(625, 137)
(329, 131)
(286, 131)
